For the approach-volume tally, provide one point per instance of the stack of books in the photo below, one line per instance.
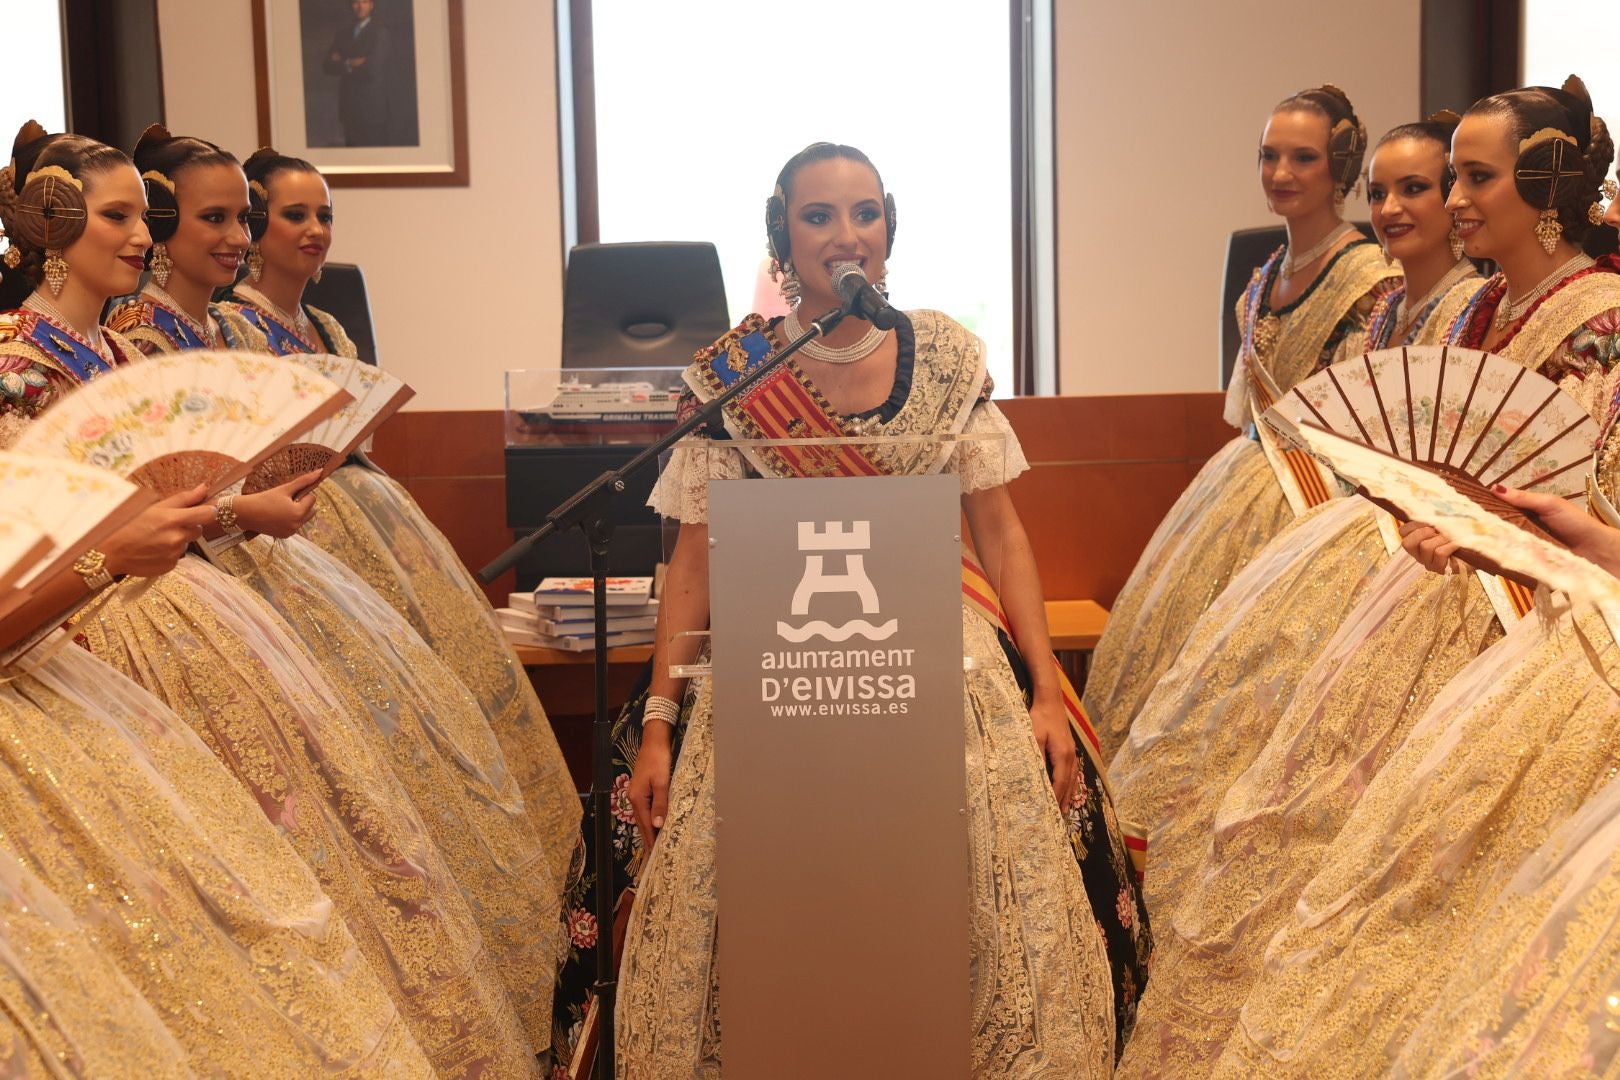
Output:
(560, 614)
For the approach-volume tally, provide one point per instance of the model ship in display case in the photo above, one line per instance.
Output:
(611, 406)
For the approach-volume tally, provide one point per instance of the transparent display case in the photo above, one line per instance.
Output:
(590, 406)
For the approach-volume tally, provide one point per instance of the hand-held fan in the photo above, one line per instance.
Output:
(76, 506)
(1486, 534)
(176, 420)
(1472, 418)
(377, 396)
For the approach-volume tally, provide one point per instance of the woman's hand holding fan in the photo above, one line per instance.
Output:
(282, 510)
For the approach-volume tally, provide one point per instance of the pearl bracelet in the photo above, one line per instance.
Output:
(662, 709)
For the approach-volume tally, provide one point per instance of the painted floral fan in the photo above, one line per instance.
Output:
(377, 396)
(75, 506)
(1472, 418)
(181, 419)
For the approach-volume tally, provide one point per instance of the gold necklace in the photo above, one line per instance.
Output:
(299, 321)
(1406, 312)
(161, 297)
(1507, 313)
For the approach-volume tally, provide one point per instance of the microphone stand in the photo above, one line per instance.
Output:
(587, 510)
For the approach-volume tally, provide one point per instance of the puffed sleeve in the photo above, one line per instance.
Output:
(682, 491)
(991, 462)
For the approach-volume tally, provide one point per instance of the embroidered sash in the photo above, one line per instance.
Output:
(283, 338)
(61, 348)
(147, 320)
(786, 405)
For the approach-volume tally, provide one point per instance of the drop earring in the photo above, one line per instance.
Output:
(1548, 230)
(316, 276)
(56, 271)
(789, 285)
(161, 264)
(255, 261)
(1455, 242)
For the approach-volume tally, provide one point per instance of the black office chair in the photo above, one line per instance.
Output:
(641, 305)
(624, 305)
(341, 292)
(1246, 250)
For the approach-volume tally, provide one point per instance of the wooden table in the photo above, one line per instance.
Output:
(1075, 625)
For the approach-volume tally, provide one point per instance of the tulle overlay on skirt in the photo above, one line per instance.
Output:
(109, 800)
(1216, 706)
(368, 522)
(1041, 984)
(1229, 511)
(1512, 746)
(1534, 994)
(443, 752)
(1410, 634)
(319, 769)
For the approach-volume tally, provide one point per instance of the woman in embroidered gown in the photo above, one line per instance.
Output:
(104, 796)
(926, 377)
(370, 523)
(403, 704)
(1306, 299)
(314, 760)
(1513, 743)
(1218, 704)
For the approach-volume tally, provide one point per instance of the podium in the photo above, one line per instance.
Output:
(836, 659)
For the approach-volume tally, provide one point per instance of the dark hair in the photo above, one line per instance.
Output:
(1438, 128)
(776, 230)
(20, 202)
(161, 158)
(1567, 181)
(261, 165)
(1347, 135)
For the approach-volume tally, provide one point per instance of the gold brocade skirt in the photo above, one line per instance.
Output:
(1535, 992)
(1410, 634)
(1512, 746)
(368, 522)
(321, 772)
(1041, 986)
(63, 1000)
(442, 750)
(1216, 706)
(1228, 513)
(175, 876)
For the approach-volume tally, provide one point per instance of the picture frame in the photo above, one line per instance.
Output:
(371, 92)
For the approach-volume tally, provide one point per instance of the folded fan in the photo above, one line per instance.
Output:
(1473, 418)
(76, 506)
(377, 396)
(176, 420)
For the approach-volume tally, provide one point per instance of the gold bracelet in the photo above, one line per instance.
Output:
(225, 514)
(92, 566)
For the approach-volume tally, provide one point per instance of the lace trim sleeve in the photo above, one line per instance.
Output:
(990, 463)
(682, 491)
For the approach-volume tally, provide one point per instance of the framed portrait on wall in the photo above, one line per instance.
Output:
(372, 92)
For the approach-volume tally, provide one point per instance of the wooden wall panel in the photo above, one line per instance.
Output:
(1103, 472)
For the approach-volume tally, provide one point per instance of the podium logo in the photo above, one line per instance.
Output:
(817, 582)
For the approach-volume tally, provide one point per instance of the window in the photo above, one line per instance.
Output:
(32, 38)
(696, 106)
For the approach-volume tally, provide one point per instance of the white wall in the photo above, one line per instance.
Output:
(1159, 111)
(464, 282)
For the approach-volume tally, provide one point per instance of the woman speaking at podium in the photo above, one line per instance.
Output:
(1043, 850)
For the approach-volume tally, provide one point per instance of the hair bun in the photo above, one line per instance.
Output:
(1445, 116)
(50, 210)
(154, 136)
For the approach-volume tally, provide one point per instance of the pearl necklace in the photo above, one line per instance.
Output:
(828, 354)
(206, 331)
(1292, 263)
(1407, 311)
(1508, 313)
(299, 322)
(36, 302)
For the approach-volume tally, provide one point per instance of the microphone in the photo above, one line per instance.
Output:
(860, 298)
